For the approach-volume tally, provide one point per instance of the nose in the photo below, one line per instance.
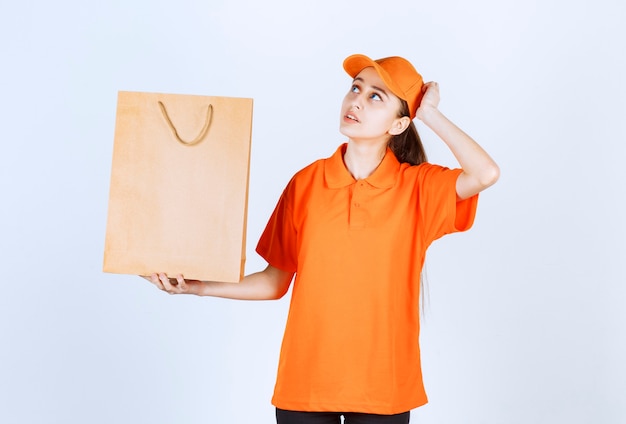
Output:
(356, 103)
(353, 100)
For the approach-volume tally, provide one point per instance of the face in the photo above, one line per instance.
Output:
(370, 110)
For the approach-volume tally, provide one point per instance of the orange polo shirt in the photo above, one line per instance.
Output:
(351, 342)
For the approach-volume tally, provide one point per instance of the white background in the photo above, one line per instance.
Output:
(525, 319)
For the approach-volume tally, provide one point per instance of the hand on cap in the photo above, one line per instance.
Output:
(430, 100)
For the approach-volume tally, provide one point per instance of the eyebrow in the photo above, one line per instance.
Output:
(373, 86)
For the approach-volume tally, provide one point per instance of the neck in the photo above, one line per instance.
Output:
(362, 160)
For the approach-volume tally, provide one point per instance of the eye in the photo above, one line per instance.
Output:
(376, 96)
(354, 89)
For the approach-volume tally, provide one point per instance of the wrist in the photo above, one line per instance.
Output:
(427, 113)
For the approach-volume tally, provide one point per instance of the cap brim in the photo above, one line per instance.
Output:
(357, 62)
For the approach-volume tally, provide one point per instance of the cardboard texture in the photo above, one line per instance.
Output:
(179, 186)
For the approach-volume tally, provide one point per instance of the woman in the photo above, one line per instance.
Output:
(354, 229)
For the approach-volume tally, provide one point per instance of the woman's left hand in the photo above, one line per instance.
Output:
(430, 100)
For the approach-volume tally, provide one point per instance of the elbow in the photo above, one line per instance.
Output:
(281, 286)
(277, 294)
(468, 185)
(490, 176)
(283, 289)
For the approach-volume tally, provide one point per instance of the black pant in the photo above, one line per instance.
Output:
(296, 417)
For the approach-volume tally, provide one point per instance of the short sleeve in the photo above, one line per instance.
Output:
(440, 209)
(278, 243)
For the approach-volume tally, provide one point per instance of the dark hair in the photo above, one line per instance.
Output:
(407, 146)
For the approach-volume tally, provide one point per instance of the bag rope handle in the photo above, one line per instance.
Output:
(207, 123)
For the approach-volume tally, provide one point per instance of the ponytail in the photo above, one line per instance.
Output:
(408, 146)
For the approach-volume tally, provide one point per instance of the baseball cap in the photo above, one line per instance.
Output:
(397, 73)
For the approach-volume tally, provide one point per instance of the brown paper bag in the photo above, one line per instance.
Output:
(179, 186)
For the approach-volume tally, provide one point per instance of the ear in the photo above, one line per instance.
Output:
(399, 125)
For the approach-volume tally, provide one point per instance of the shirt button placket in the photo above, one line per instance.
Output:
(357, 215)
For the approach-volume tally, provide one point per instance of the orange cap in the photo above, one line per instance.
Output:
(397, 73)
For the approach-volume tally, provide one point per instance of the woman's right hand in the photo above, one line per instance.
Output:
(176, 285)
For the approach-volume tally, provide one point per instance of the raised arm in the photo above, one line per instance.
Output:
(271, 283)
(479, 170)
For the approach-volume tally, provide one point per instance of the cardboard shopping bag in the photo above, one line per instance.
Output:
(179, 186)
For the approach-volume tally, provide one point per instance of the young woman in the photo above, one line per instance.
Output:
(354, 229)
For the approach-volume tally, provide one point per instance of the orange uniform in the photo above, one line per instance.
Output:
(351, 342)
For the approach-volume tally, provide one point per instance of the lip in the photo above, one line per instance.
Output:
(351, 117)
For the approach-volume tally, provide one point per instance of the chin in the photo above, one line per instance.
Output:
(346, 130)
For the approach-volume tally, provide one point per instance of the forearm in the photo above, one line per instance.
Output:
(473, 159)
(271, 283)
(264, 285)
(479, 169)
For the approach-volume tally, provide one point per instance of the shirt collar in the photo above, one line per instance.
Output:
(338, 176)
